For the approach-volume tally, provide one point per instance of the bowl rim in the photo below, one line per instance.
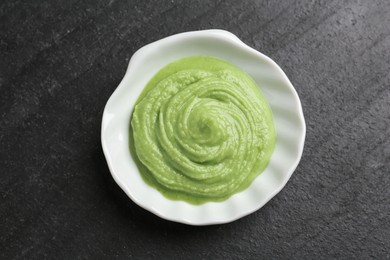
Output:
(137, 57)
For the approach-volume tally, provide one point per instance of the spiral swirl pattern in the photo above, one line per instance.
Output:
(201, 130)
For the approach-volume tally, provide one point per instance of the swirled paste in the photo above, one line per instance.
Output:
(201, 130)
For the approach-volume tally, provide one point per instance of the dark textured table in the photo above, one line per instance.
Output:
(61, 60)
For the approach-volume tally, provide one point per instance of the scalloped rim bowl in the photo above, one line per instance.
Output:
(274, 84)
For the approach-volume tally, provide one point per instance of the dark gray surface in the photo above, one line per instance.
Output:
(61, 60)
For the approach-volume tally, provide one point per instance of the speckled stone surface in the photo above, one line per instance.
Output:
(61, 60)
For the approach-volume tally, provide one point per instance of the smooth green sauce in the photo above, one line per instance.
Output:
(201, 130)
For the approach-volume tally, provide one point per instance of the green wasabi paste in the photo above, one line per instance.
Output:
(201, 130)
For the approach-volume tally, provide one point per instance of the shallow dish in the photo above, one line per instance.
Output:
(281, 95)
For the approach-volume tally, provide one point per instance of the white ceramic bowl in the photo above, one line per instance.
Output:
(274, 84)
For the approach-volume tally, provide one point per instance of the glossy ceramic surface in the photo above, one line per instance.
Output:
(274, 84)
